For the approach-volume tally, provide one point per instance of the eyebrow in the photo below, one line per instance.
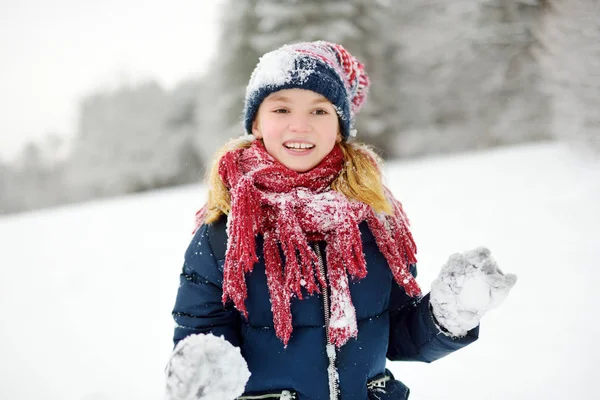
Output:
(280, 97)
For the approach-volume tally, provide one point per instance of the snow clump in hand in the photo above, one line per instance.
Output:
(205, 367)
(469, 285)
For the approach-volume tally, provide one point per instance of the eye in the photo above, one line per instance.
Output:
(280, 111)
(320, 111)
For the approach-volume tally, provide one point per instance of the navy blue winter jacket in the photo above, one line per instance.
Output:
(390, 324)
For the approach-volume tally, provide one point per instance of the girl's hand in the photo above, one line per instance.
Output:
(469, 285)
(205, 367)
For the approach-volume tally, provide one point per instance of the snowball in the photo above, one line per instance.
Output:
(475, 294)
(205, 367)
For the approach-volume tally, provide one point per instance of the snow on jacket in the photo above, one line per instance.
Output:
(390, 324)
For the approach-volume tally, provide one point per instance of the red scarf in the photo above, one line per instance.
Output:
(291, 209)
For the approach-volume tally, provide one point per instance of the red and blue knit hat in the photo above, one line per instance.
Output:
(323, 67)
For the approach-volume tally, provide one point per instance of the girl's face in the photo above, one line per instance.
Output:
(298, 127)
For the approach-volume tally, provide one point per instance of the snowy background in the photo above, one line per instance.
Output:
(487, 111)
(86, 291)
(126, 98)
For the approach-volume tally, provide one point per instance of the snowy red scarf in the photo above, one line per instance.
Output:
(290, 210)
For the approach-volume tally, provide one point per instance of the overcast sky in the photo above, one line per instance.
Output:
(54, 52)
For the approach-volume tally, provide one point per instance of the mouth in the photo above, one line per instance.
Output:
(298, 147)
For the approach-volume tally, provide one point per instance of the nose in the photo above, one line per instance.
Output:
(299, 124)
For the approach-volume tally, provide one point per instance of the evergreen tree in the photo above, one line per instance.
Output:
(118, 137)
(382, 116)
(569, 52)
(6, 189)
(514, 109)
(34, 179)
(441, 79)
(182, 124)
(221, 101)
(472, 80)
(133, 139)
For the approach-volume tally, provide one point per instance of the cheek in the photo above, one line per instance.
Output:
(270, 131)
(330, 132)
(270, 124)
(271, 134)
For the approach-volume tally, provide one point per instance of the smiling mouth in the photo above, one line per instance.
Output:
(299, 146)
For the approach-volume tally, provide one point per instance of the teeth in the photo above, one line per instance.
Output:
(299, 146)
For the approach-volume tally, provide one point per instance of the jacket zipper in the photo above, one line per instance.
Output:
(330, 349)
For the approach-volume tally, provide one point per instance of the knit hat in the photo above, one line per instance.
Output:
(323, 67)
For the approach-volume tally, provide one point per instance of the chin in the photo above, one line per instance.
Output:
(300, 167)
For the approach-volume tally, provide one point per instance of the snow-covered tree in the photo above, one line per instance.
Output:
(118, 139)
(513, 107)
(436, 41)
(569, 52)
(135, 138)
(6, 205)
(220, 102)
(472, 81)
(182, 123)
(381, 118)
(289, 21)
(34, 179)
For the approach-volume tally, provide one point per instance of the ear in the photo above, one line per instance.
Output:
(255, 130)
(338, 139)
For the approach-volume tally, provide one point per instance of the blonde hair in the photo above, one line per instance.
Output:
(359, 180)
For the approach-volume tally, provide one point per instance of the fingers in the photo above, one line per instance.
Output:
(456, 265)
(501, 290)
(481, 259)
(511, 280)
(498, 280)
(464, 263)
(477, 255)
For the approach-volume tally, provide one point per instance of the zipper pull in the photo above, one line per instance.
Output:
(378, 383)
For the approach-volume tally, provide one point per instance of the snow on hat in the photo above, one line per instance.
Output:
(323, 67)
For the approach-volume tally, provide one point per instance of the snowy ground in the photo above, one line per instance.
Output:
(86, 291)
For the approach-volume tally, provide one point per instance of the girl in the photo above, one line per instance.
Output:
(304, 260)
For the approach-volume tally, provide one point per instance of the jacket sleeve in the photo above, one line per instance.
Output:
(198, 307)
(414, 334)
